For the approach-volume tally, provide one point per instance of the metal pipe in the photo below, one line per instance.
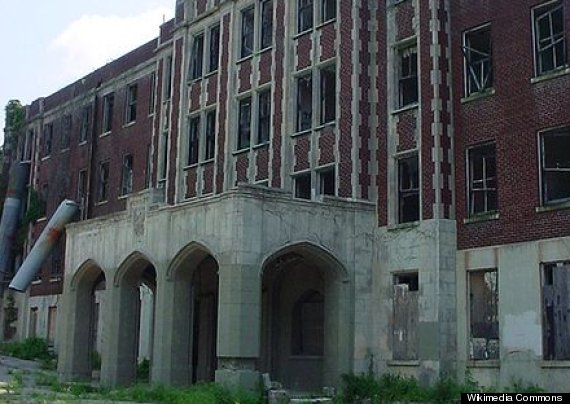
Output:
(43, 247)
(19, 175)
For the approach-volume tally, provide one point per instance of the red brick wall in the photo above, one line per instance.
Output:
(208, 178)
(303, 47)
(242, 166)
(223, 101)
(262, 163)
(364, 179)
(244, 76)
(327, 142)
(302, 148)
(195, 91)
(407, 130)
(176, 91)
(404, 20)
(512, 118)
(276, 180)
(327, 41)
(191, 180)
(265, 65)
(381, 133)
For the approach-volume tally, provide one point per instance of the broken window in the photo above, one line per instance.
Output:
(264, 116)
(244, 131)
(210, 136)
(307, 325)
(103, 182)
(247, 31)
(214, 52)
(556, 306)
(85, 123)
(328, 10)
(48, 139)
(549, 41)
(57, 259)
(303, 186)
(28, 146)
(266, 33)
(408, 77)
(408, 189)
(197, 57)
(44, 194)
(484, 314)
(555, 147)
(127, 175)
(163, 162)
(482, 179)
(131, 104)
(328, 94)
(108, 102)
(327, 181)
(405, 321)
(305, 15)
(193, 140)
(51, 325)
(66, 132)
(82, 193)
(478, 63)
(304, 103)
(32, 332)
(152, 94)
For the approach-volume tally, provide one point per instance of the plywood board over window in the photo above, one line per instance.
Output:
(406, 313)
(556, 311)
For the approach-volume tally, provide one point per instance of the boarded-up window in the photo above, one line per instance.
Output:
(483, 310)
(556, 311)
(405, 322)
(52, 319)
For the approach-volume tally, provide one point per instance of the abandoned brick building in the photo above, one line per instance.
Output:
(313, 187)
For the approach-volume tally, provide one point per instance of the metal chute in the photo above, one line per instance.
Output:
(44, 245)
(11, 215)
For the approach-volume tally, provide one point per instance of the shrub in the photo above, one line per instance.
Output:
(31, 348)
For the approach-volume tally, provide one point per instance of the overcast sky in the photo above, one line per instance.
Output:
(47, 44)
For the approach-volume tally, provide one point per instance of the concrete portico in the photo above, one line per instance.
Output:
(240, 240)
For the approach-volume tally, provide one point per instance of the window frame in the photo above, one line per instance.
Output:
(547, 8)
(471, 190)
(214, 48)
(302, 121)
(194, 130)
(469, 74)
(411, 75)
(263, 129)
(103, 182)
(210, 134)
(496, 304)
(247, 36)
(302, 7)
(86, 114)
(197, 56)
(127, 174)
(244, 131)
(325, 104)
(66, 125)
(265, 26)
(107, 118)
(131, 104)
(408, 192)
(47, 148)
(559, 131)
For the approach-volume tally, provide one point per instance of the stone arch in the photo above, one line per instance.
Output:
(87, 288)
(135, 282)
(300, 274)
(195, 284)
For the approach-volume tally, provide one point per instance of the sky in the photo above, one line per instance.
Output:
(47, 44)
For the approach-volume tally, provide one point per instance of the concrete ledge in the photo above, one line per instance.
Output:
(243, 378)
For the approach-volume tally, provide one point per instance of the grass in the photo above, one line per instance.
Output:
(30, 349)
(391, 388)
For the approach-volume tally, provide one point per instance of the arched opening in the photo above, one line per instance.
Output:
(304, 321)
(137, 297)
(194, 356)
(88, 328)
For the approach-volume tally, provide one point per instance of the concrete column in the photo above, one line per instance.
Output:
(118, 356)
(171, 355)
(239, 323)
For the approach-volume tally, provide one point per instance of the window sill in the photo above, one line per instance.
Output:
(261, 145)
(325, 23)
(325, 125)
(301, 133)
(264, 50)
(190, 166)
(484, 364)
(555, 364)
(64, 150)
(481, 217)
(131, 123)
(124, 196)
(408, 107)
(210, 74)
(41, 219)
(403, 226)
(302, 33)
(101, 203)
(84, 142)
(396, 362)
(245, 58)
(55, 279)
(551, 75)
(37, 282)
(105, 134)
(44, 158)
(205, 162)
(477, 96)
(553, 206)
(241, 151)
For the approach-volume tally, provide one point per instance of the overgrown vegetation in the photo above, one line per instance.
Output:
(143, 370)
(31, 348)
(14, 122)
(391, 388)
